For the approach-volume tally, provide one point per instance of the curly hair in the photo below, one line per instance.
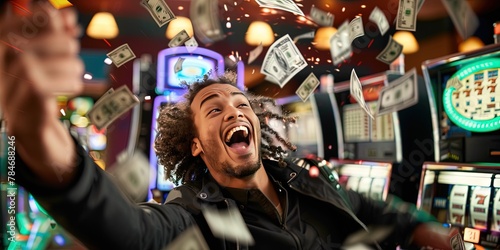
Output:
(176, 131)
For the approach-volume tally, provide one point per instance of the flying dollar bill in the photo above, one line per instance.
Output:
(308, 35)
(379, 18)
(407, 15)
(228, 224)
(204, 15)
(253, 54)
(356, 28)
(179, 39)
(464, 19)
(286, 5)
(191, 44)
(391, 51)
(321, 17)
(132, 174)
(190, 239)
(340, 45)
(283, 60)
(356, 91)
(113, 106)
(121, 55)
(399, 94)
(178, 64)
(307, 87)
(159, 10)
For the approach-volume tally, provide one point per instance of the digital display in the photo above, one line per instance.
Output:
(474, 102)
(186, 68)
(304, 132)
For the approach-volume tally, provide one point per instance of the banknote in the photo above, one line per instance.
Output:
(228, 224)
(356, 28)
(407, 15)
(391, 51)
(178, 64)
(190, 239)
(379, 18)
(454, 82)
(204, 15)
(286, 5)
(399, 94)
(420, 4)
(179, 39)
(340, 45)
(464, 19)
(322, 18)
(191, 44)
(113, 106)
(121, 55)
(283, 60)
(132, 174)
(159, 10)
(253, 54)
(307, 87)
(308, 35)
(356, 90)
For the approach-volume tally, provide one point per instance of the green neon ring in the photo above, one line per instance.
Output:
(455, 116)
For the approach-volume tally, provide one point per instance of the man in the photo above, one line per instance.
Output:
(222, 165)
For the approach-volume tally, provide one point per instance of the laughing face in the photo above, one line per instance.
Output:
(227, 132)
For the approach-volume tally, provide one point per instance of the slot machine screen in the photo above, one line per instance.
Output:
(467, 102)
(366, 138)
(465, 196)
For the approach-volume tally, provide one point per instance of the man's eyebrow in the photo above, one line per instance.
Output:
(215, 95)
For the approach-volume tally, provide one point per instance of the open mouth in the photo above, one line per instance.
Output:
(238, 138)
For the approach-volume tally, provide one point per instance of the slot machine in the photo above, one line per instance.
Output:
(195, 63)
(315, 133)
(461, 185)
(465, 196)
(399, 139)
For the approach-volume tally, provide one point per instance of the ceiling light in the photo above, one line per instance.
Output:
(177, 25)
(407, 39)
(322, 37)
(471, 43)
(259, 32)
(102, 26)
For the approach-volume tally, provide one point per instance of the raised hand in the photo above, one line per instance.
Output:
(38, 60)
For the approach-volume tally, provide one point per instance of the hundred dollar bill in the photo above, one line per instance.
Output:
(340, 45)
(356, 28)
(191, 44)
(178, 64)
(321, 17)
(121, 55)
(391, 51)
(283, 60)
(159, 10)
(454, 82)
(113, 106)
(465, 20)
(190, 239)
(205, 17)
(105, 95)
(379, 18)
(407, 15)
(286, 5)
(307, 87)
(356, 91)
(228, 224)
(179, 39)
(399, 94)
(253, 54)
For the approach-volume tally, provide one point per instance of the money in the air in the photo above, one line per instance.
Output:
(379, 18)
(321, 17)
(407, 15)
(159, 10)
(113, 106)
(121, 55)
(307, 87)
(391, 51)
(399, 94)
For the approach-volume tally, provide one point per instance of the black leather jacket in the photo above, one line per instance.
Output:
(99, 215)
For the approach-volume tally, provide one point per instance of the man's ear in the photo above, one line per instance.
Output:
(196, 147)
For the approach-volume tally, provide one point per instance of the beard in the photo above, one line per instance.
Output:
(239, 171)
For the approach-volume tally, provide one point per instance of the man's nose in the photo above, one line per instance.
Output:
(232, 112)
